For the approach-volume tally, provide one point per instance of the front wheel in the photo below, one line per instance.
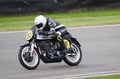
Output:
(27, 61)
(74, 57)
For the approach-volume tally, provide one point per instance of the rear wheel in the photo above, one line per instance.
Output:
(27, 61)
(74, 57)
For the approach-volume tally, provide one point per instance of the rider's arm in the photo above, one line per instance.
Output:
(56, 27)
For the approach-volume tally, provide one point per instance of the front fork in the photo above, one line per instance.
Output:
(32, 45)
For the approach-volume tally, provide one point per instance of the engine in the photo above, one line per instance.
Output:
(44, 45)
(48, 45)
(49, 49)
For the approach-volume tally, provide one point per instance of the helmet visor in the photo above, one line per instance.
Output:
(39, 25)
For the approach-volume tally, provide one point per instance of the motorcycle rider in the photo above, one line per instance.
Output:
(52, 26)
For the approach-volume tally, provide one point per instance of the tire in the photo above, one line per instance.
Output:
(33, 62)
(76, 59)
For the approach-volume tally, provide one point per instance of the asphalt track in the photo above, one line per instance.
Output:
(100, 47)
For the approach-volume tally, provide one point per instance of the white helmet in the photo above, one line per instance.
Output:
(40, 21)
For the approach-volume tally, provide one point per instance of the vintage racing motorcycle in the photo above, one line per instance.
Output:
(42, 46)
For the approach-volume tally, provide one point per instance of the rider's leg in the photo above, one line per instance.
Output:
(61, 41)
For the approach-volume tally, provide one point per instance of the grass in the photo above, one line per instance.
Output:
(106, 77)
(72, 19)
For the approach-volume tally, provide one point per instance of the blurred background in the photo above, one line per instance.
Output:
(20, 14)
(28, 6)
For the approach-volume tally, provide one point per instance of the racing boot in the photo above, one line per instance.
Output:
(62, 44)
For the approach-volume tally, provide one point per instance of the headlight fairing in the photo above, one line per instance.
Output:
(29, 35)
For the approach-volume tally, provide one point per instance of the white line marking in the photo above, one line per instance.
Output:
(86, 75)
(99, 26)
(13, 32)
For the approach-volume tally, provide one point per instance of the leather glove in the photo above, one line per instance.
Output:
(40, 32)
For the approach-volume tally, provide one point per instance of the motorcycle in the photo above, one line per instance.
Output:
(42, 46)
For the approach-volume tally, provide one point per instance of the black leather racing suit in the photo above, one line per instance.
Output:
(58, 28)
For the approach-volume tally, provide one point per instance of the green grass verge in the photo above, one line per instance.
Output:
(106, 77)
(25, 22)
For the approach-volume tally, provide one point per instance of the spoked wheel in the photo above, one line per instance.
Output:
(27, 61)
(74, 56)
